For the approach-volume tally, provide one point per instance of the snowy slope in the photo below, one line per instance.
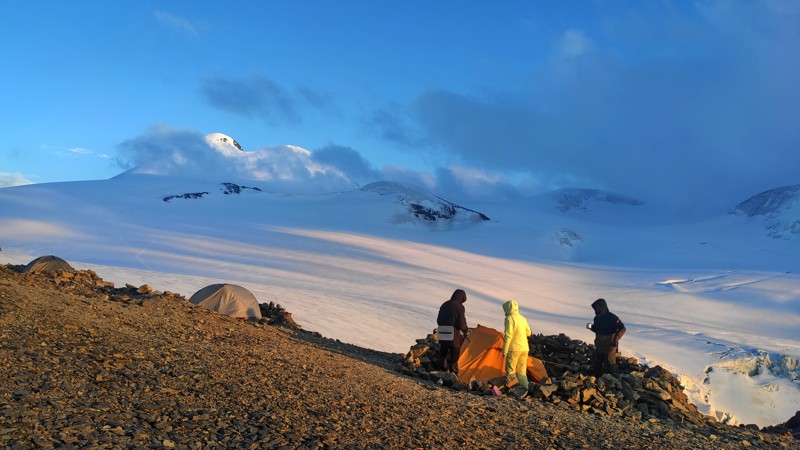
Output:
(224, 143)
(778, 210)
(422, 207)
(714, 300)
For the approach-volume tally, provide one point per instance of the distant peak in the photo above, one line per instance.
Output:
(579, 199)
(779, 209)
(770, 202)
(223, 142)
(393, 187)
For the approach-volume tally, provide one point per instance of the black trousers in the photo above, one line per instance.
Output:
(448, 356)
(605, 355)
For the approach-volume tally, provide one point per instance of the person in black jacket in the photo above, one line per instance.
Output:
(608, 330)
(452, 331)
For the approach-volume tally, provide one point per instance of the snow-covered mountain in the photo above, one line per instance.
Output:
(421, 206)
(371, 265)
(777, 209)
(226, 189)
(223, 143)
(219, 158)
(402, 203)
(586, 200)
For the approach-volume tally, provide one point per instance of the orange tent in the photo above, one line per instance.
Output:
(482, 357)
(536, 370)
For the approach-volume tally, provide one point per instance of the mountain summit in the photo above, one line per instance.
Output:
(223, 143)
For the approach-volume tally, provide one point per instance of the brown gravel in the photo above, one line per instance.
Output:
(98, 367)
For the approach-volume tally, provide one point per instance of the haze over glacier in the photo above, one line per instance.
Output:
(714, 298)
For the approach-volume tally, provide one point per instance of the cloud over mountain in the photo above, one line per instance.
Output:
(654, 103)
(184, 153)
(290, 169)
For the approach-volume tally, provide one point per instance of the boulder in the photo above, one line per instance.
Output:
(518, 391)
(543, 390)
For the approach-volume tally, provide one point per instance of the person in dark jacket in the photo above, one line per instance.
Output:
(608, 330)
(452, 330)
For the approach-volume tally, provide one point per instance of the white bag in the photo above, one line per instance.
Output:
(446, 332)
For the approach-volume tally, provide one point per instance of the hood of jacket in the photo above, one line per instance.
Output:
(459, 295)
(600, 307)
(510, 307)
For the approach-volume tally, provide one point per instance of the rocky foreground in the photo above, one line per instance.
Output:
(87, 365)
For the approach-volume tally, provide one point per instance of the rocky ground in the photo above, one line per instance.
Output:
(87, 365)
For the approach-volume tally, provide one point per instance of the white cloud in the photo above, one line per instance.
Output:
(163, 150)
(289, 169)
(185, 153)
(178, 24)
(461, 183)
(574, 43)
(166, 150)
(349, 161)
(13, 179)
(79, 151)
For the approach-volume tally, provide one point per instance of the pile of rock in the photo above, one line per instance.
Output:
(632, 390)
(274, 314)
(422, 357)
(791, 426)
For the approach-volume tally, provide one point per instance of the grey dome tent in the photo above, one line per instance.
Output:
(48, 264)
(228, 299)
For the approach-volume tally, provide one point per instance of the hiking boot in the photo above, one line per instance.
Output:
(511, 381)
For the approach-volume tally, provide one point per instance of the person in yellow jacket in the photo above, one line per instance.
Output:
(515, 343)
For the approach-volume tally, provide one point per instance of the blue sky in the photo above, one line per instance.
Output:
(692, 103)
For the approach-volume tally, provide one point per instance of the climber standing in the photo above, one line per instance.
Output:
(608, 330)
(515, 343)
(452, 331)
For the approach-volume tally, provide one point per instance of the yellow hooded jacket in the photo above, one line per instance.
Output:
(515, 338)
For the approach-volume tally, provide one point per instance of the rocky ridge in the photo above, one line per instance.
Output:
(424, 206)
(88, 365)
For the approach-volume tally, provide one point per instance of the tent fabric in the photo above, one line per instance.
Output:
(482, 357)
(536, 370)
(47, 264)
(228, 299)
